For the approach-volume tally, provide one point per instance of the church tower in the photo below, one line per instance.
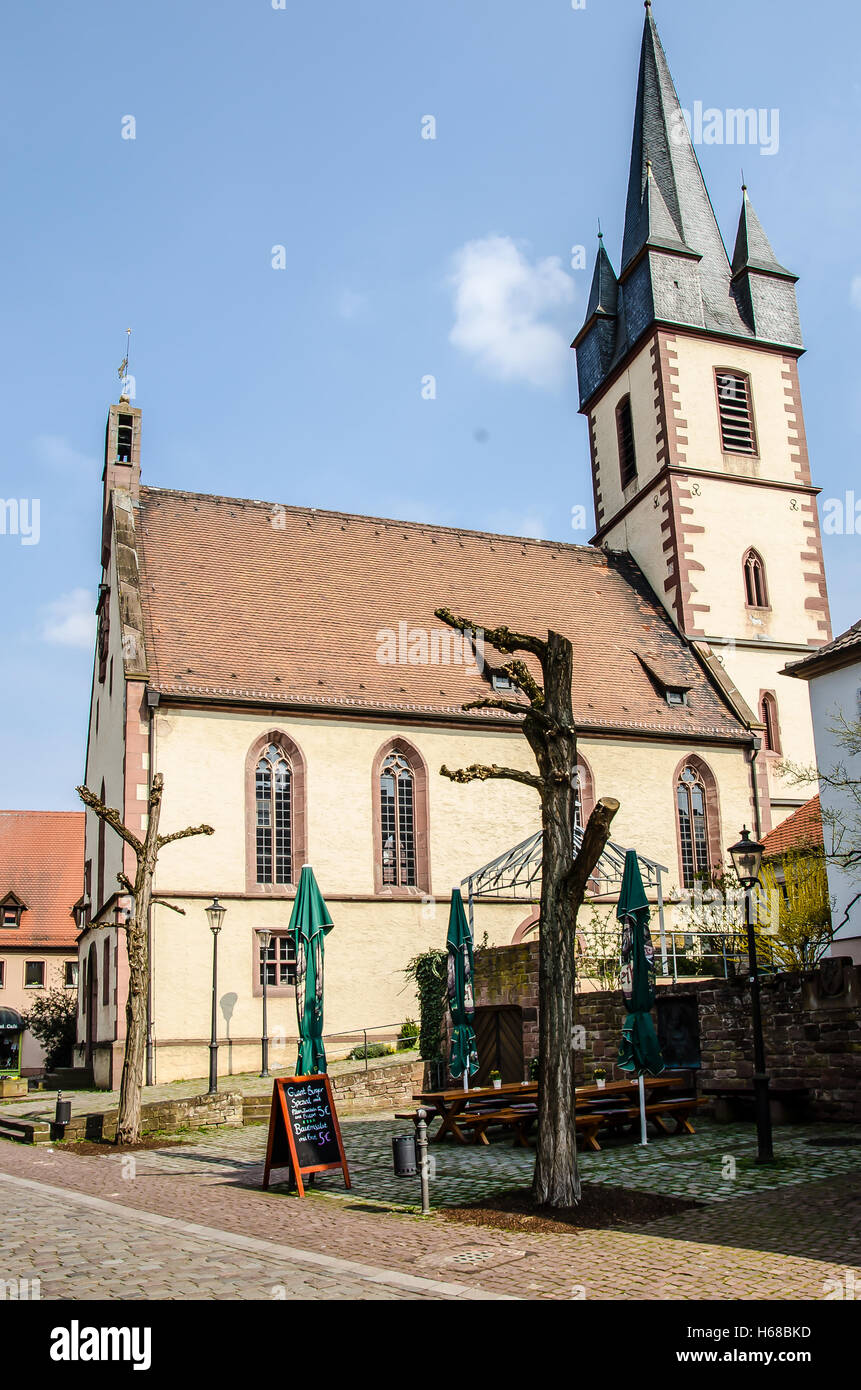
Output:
(688, 373)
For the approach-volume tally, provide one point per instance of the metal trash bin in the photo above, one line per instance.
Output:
(63, 1112)
(404, 1156)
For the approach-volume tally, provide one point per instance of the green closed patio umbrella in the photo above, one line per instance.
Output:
(309, 925)
(464, 1058)
(639, 1051)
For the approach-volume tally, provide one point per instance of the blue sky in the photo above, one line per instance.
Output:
(405, 257)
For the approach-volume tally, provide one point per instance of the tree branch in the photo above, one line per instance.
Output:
(110, 817)
(184, 834)
(512, 707)
(595, 838)
(520, 673)
(500, 637)
(480, 773)
(160, 902)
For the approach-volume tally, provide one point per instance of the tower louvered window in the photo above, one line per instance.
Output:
(273, 788)
(397, 818)
(627, 450)
(693, 827)
(735, 404)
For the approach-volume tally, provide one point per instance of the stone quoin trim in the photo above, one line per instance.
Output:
(713, 820)
(596, 471)
(298, 814)
(811, 556)
(418, 767)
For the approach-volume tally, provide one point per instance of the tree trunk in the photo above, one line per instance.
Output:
(137, 944)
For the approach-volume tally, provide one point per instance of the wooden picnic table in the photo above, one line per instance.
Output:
(454, 1105)
(449, 1105)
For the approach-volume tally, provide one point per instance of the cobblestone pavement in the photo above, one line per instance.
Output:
(778, 1234)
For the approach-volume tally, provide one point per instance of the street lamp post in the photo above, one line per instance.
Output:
(215, 915)
(747, 860)
(264, 937)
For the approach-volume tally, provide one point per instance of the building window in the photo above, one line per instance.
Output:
(2, 974)
(70, 974)
(10, 912)
(103, 640)
(627, 450)
(400, 789)
(584, 794)
(274, 819)
(768, 716)
(735, 405)
(693, 826)
(755, 588)
(275, 814)
(280, 961)
(106, 971)
(34, 974)
(398, 821)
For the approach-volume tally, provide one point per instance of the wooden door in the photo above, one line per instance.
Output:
(499, 1042)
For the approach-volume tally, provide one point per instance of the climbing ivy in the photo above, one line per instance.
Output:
(429, 972)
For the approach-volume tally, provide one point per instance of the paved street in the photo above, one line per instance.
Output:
(193, 1223)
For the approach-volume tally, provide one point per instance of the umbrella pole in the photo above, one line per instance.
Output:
(644, 1138)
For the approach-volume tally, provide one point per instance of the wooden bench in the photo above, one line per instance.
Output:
(679, 1108)
(430, 1112)
(520, 1120)
(735, 1101)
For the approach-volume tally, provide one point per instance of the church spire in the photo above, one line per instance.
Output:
(763, 288)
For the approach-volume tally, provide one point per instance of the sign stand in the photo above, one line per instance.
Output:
(304, 1134)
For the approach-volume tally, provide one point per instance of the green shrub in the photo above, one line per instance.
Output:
(359, 1053)
(409, 1033)
(53, 1022)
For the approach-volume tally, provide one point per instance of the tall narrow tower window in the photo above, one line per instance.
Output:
(735, 405)
(627, 451)
(768, 715)
(125, 427)
(755, 589)
(397, 807)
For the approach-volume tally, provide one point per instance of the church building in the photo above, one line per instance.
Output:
(283, 669)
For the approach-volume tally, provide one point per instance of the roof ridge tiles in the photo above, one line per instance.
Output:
(324, 512)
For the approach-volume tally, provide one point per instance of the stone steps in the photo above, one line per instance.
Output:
(25, 1131)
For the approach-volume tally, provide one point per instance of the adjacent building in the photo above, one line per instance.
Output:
(833, 676)
(41, 854)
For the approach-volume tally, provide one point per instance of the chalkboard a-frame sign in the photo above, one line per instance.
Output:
(304, 1134)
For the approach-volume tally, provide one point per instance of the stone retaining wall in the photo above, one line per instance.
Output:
(164, 1116)
(811, 1024)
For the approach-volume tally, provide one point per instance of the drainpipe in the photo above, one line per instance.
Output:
(757, 811)
(152, 700)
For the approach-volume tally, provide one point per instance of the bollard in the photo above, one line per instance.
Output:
(63, 1112)
(422, 1146)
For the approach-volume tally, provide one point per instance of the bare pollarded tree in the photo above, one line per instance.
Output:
(146, 852)
(548, 726)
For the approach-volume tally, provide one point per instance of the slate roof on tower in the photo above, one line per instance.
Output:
(246, 601)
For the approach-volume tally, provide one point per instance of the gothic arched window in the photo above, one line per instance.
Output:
(400, 820)
(755, 588)
(275, 813)
(272, 781)
(693, 826)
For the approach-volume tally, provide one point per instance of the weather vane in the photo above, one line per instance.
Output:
(122, 369)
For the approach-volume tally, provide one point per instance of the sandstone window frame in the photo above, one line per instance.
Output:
(298, 814)
(755, 580)
(421, 821)
(711, 841)
(769, 715)
(285, 990)
(628, 472)
(736, 414)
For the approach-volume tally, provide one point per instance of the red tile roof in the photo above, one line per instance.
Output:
(801, 830)
(42, 863)
(284, 605)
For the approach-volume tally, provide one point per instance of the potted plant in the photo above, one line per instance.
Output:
(600, 1077)
(496, 1079)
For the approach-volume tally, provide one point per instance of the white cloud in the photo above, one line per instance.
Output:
(70, 621)
(507, 311)
(855, 292)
